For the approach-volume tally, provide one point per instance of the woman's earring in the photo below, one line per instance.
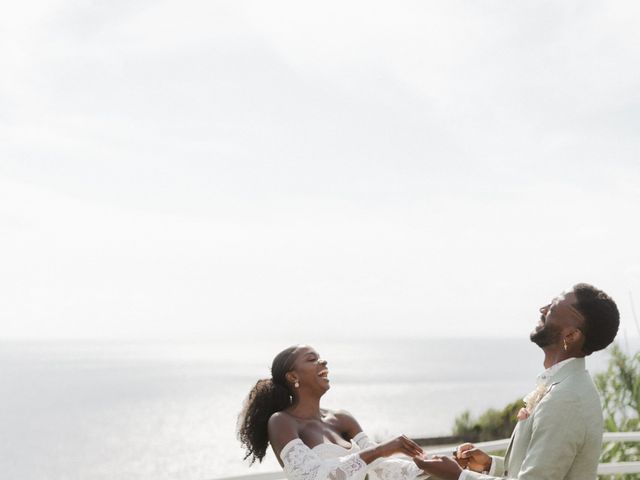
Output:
(297, 384)
(565, 345)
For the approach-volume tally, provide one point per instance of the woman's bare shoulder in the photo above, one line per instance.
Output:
(282, 429)
(282, 421)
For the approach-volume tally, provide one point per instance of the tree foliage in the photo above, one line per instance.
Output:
(619, 390)
(491, 425)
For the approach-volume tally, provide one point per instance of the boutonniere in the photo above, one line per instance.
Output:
(532, 400)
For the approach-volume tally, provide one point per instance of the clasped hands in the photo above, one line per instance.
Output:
(447, 468)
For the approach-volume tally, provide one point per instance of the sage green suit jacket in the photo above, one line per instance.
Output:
(562, 438)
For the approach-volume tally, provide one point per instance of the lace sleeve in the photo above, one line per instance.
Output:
(300, 463)
(363, 441)
(388, 468)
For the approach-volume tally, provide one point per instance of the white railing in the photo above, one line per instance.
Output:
(603, 468)
(496, 446)
(620, 467)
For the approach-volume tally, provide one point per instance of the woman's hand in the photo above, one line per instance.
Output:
(401, 444)
(468, 456)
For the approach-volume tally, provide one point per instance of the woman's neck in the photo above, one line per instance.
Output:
(306, 408)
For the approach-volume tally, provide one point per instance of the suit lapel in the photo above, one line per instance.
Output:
(508, 452)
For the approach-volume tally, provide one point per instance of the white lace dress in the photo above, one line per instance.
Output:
(329, 461)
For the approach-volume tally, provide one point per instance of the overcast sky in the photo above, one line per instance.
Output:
(361, 168)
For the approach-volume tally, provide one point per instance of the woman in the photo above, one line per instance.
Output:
(312, 443)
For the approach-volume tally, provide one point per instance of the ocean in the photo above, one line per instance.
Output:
(167, 409)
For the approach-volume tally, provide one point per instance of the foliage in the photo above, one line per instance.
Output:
(491, 425)
(619, 390)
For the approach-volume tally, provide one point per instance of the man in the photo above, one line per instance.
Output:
(559, 433)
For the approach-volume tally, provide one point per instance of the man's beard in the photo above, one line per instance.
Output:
(545, 336)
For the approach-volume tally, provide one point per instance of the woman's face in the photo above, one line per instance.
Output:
(309, 370)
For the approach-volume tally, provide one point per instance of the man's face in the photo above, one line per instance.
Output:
(555, 318)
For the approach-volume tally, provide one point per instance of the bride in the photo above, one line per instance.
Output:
(313, 443)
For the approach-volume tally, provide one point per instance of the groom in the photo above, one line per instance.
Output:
(559, 433)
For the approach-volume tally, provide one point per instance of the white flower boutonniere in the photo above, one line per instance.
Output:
(531, 401)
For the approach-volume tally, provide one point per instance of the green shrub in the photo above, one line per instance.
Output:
(619, 390)
(491, 425)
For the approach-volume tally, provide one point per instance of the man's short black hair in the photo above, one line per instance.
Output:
(601, 317)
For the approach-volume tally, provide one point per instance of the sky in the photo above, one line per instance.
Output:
(200, 169)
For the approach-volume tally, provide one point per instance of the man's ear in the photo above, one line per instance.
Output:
(578, 336)
(575, 337)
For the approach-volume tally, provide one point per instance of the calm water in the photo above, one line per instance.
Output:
(167, 410)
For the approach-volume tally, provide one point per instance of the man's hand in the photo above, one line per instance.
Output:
(468, 456)
(439, 466)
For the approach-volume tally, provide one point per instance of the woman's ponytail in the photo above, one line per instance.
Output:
(267, 397)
